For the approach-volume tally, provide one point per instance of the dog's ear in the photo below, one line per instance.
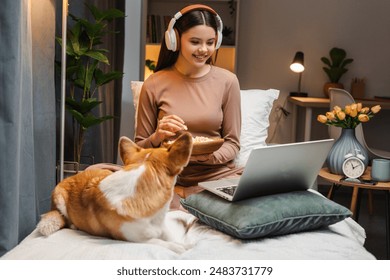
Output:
(127, 149)
(179, 153)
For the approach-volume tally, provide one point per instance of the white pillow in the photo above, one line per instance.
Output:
(136, 90)
(256, 105)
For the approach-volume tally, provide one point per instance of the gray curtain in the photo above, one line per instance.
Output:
(27, 116)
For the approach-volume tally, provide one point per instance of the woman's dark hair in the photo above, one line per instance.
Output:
(166, 57)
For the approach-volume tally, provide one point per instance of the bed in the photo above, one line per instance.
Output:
(341, 241)
(235, 229)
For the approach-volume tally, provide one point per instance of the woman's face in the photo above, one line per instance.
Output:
(197, 45)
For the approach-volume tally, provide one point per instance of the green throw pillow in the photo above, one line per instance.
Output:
(269, 215)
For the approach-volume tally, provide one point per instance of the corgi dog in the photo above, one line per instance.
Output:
(129, 204)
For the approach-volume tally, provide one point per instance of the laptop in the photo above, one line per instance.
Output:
(275, 169)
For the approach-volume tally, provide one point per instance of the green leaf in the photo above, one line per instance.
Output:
(104, 78)
(73, 42)
(326, 61)
(98, 56)
(91, 120)
(93, 30)
(94, 11)
(86, 121)
(337, 56)
(83, 107)
(59, 40)
(107, 15)
(346, 62)
(111, 14)
(151, 64)
(89, 74)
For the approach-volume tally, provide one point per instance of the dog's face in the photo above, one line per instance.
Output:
(174, 158)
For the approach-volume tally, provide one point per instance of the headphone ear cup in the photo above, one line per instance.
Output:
(170, 40)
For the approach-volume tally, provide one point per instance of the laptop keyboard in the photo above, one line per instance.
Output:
(229, 190)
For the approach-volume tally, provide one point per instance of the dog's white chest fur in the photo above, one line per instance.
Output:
(120, 186)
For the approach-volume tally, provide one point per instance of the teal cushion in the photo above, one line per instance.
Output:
(269, 215)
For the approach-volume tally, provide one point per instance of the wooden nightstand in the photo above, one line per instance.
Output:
(355, 201)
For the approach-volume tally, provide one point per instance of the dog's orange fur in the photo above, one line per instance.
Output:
(129, 204)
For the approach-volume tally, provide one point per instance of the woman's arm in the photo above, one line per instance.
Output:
(153, 129)
(146, 118)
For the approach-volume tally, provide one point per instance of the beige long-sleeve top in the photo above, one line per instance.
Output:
(209, 105)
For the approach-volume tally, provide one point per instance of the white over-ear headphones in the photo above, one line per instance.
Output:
(172, 38)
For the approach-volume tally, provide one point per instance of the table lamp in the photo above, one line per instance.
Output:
(297, 67)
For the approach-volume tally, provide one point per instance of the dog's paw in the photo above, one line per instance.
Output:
(177, 248)
(50, 223)
(47, 227)
(189, 246)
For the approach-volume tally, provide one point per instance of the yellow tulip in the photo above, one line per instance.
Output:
(354, 110)
(330, 116)
(363, 118)
(365, 110)
(376, 109)
(322, 119)
(336, 108)
(341, 115)
(347, 109)
(359, 107)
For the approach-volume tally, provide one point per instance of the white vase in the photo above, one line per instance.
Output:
(345, 144)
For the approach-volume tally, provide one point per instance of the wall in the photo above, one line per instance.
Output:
(271, 31)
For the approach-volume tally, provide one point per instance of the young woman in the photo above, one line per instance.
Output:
(186, 92)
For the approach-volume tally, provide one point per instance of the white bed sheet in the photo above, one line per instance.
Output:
(341, 241)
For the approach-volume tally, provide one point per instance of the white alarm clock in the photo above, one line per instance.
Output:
(353, 166)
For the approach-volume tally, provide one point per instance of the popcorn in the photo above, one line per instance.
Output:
(196, 139)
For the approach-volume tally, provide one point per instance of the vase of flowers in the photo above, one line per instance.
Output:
(348, 118)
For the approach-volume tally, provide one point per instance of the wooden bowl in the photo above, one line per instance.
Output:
(201, 147)
(206, 147)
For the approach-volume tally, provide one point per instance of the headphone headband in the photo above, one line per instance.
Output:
(171, 35)
(197, 7)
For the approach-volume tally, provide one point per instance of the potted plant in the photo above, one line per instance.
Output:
(335, 68)
(227, 36)
(83, 72)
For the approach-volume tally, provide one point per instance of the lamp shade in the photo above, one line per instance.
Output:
(297, 64)
(297, 67)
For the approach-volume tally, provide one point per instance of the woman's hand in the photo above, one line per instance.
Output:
(167, 127)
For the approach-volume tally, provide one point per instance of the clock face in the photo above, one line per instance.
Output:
(353, 167)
